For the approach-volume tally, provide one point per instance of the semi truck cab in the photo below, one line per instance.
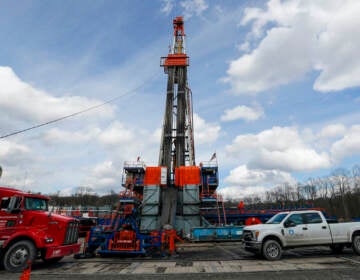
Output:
(29, 231)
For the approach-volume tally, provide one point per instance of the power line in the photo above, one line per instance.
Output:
(79, 112)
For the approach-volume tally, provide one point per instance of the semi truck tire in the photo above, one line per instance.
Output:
(18, 255)
(356, 244)
(272, 250)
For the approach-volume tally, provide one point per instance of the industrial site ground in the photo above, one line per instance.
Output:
(223, 260)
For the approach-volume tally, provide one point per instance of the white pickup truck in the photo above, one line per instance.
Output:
(299, 229)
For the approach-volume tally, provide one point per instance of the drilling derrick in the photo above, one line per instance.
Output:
(177, 141)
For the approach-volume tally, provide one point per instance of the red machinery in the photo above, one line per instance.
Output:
(27, 228)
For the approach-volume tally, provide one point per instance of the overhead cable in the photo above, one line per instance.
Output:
(79, 112)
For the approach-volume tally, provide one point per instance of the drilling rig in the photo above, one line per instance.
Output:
(172, 192)
(161, 202)
(177, 141)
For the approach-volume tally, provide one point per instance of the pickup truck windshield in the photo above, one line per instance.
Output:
(32, 203)
(277, 219)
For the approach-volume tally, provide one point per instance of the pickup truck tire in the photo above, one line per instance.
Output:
(18, 255)
(272, 250)
(337, 248)
(356, 244)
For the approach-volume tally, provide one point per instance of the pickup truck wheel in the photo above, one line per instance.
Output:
(272, 250)
(337, 248)
(356, 244)
(18, 255)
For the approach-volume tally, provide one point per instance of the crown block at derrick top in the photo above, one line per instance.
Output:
(187, 175)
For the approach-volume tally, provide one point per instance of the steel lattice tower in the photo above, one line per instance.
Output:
(177, 141)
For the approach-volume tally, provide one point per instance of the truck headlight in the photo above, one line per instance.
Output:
(49, 240)
(255, 234)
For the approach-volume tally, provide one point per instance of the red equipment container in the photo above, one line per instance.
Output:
(187, 175)
(155, 176)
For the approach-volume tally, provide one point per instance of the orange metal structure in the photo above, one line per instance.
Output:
(187, 175)
(153, 176)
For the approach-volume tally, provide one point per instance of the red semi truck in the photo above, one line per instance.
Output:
(29, 231)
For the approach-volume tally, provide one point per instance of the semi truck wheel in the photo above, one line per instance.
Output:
(271, 250)
(356, 244)
(17, 256)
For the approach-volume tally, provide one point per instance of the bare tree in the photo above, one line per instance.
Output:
(341, 179)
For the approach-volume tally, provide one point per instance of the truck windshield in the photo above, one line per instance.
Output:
(33, 203)
(277, 219)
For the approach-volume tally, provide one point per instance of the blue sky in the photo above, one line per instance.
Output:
(275, 88)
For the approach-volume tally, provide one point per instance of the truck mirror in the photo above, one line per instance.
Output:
(4, 203)
(14, 205)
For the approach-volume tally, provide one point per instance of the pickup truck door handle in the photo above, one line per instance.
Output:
(305, 228)
(324, 227)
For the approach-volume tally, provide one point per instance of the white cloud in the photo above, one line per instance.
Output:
(190, 7)
(167, 6)
(237, 192)
(244, 47)
(193, 7)
(349, 145)
(117, 134)
(21, 101)
(332, 131)
(124, 143)
(11, 153)
(104, 176)
(301, 36)
(279, 148)
(245, 177)
(56, 135)
(292, 159)
(242, 113)
(243, 181)
(205, 133)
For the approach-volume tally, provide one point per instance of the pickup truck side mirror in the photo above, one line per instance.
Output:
(289, 224)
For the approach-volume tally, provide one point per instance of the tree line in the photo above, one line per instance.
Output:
(338, 193)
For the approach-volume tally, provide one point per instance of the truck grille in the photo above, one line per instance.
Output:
(247, 235)
(72, 233)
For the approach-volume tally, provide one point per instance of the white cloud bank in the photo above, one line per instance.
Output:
(205, 133)
(243, 181)
(297, 37)
(279, 148)
(348, 145)
(268, 157)
(21, 101)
